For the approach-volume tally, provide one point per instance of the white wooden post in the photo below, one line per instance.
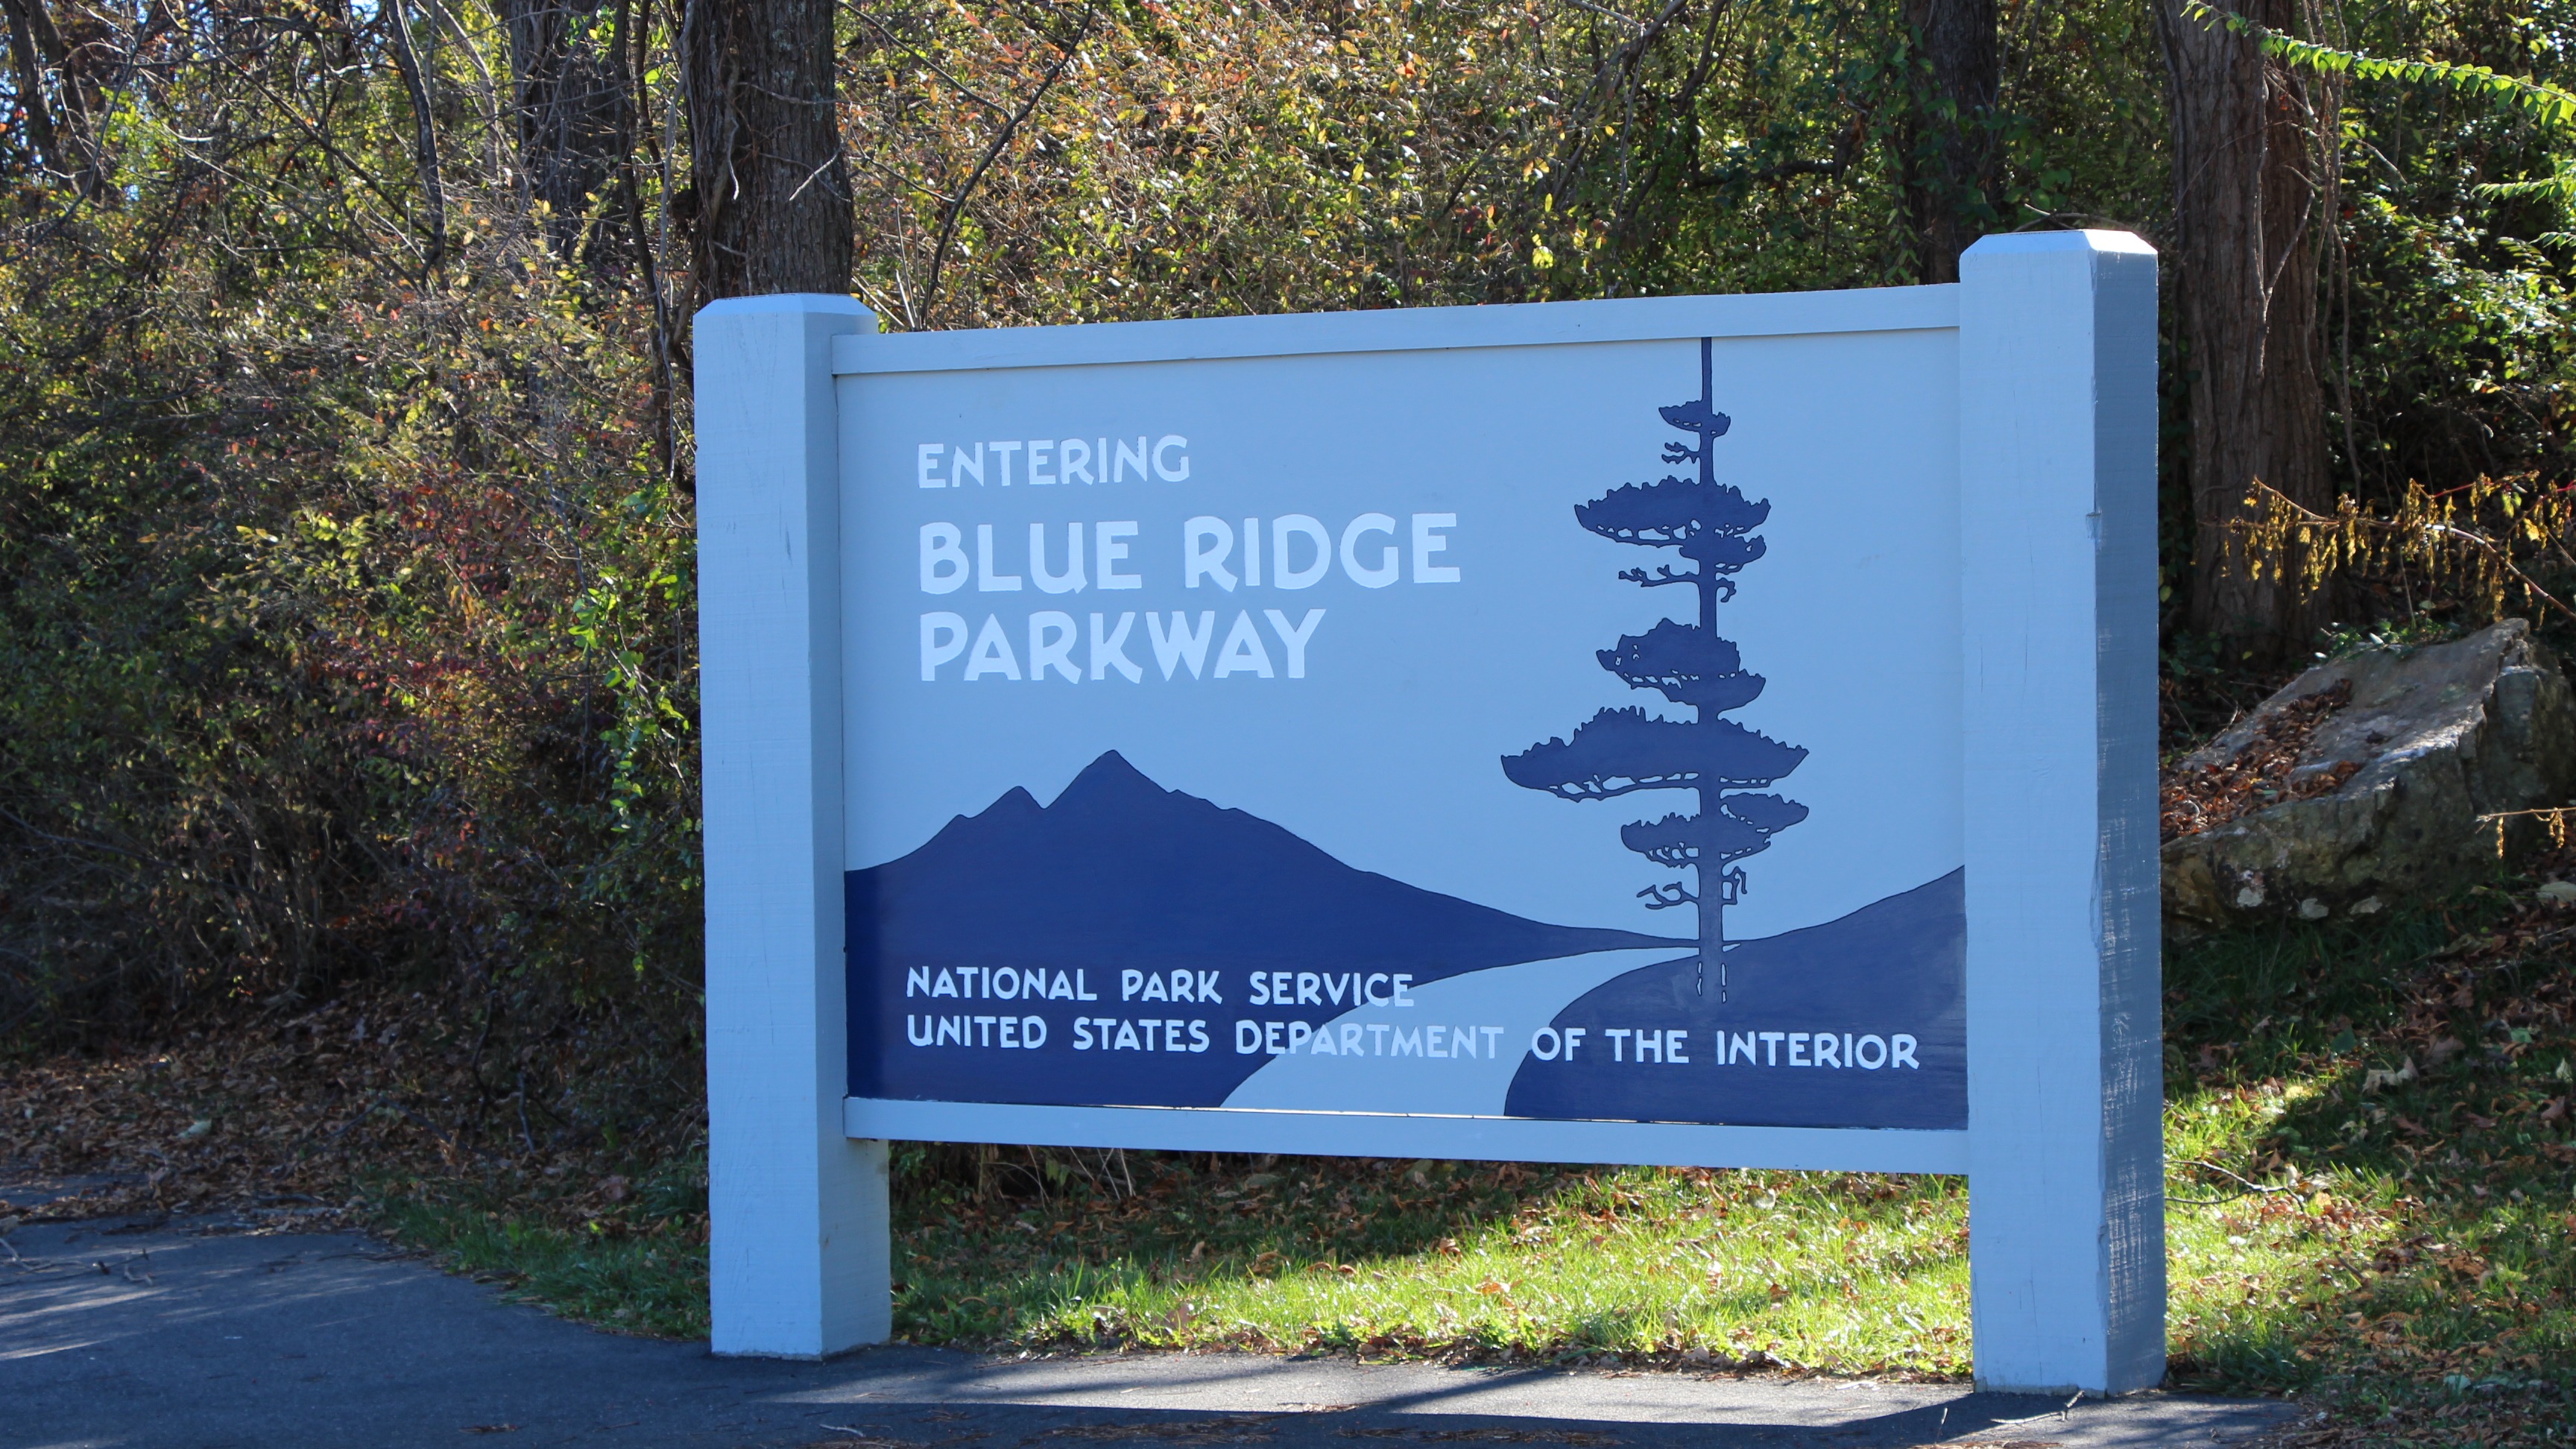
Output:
(798, 1260)
(2057, 358)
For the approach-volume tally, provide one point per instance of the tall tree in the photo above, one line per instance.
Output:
(571, 105)
(2252, 164)
(61, 75)
(1620, 751)
(768, 188)
(1951, 166)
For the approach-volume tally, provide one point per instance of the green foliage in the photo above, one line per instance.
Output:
(345, 602)
(2342, 641)
(346, 615)
(345, 622)
(2542, 102)
(640, 1269)
(344, 568)
(2382, 1111)
(2447, 304)
(2367, 1129)
(1451, 1259)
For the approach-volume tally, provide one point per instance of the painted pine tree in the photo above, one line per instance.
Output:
(1621, 751)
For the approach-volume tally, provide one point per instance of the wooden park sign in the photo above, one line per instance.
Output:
(1700, 730)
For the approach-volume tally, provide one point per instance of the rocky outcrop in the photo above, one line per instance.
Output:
(2362, 782)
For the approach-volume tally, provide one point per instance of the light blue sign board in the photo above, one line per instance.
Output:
(1204, 725)
(1699, 730)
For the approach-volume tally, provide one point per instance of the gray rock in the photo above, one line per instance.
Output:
(2432, 738)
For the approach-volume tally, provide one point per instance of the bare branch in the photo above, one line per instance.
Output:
(992, 153)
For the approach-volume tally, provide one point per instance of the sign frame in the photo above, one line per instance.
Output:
(2063, 1148)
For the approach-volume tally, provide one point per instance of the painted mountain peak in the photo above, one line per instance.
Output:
(1120, 872)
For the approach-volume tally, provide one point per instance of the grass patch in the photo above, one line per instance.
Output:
(638, 1264)
(2400, 1091)
(2369, 1203)
(1449, 1259)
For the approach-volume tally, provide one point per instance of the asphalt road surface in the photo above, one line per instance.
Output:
(178, 1337)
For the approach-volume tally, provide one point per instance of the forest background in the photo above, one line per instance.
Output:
(346, 612)
(345, 604)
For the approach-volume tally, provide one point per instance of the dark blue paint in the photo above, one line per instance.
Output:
(1120, 873)
(1620, 751)
(1891, 967)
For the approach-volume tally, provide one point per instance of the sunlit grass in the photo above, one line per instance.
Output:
(2393, 1244)
(1455, 1259)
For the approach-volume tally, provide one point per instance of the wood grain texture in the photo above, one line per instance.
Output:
(1407, 329)
(1355, 1134)
(2057, 521)
(798, 1253)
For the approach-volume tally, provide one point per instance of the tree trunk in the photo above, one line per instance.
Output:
(1951, 162)
(571, 105)
(771, 200)
(66, 128)
(1710, 880)
(29, 73)
(424, 118)
(2250, 167)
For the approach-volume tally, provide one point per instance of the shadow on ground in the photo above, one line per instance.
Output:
(168, 1337)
